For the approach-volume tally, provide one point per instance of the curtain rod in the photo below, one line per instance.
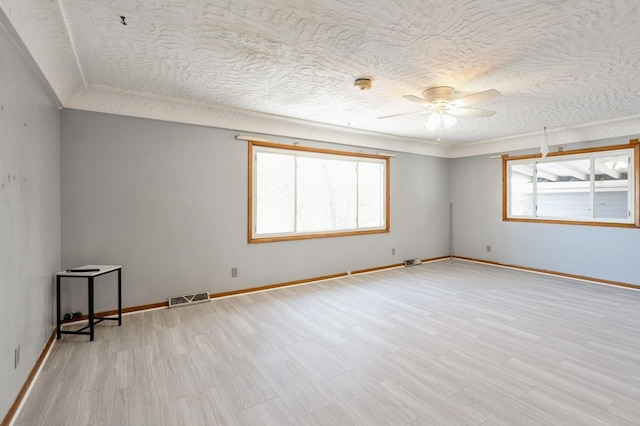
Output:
(251, 138)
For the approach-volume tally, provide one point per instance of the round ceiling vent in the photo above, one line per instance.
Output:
(362, 83)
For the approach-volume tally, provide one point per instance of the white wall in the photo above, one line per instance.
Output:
(593, 251)
(29, 215)
(169, 202)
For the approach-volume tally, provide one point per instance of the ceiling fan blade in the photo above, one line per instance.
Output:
(476, 98)
(416, 99)
(470, 112)
(404, 113)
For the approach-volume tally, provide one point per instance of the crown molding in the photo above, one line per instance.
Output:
(134, 104)
(619, 127)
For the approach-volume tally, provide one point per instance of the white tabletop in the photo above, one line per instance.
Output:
(101, 269)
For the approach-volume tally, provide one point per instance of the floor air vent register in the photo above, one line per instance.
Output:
(188, 299)
(413, 262)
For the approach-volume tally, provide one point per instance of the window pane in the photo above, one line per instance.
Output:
(521, 184)
(371, 193)
(564, 189)
(611, 187)
(326, 194)
(584, 186)
(300, 193)
(275, 193)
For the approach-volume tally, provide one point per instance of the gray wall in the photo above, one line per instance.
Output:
(29, 216)
(592, 251)
(169, 202)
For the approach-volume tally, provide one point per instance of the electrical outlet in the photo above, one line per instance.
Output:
(234, 272)
(488, 247)
(16, 360)
(393, 252)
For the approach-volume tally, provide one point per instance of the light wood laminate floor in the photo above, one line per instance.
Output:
(449, 342)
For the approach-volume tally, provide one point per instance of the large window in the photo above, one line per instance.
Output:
(590, 187)
(297, 192)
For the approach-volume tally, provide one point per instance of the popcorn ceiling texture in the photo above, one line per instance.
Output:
(556, 63)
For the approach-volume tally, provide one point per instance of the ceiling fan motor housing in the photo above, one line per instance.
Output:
(438, 95)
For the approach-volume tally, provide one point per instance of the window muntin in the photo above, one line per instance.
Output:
(298, 192)
(593, 187)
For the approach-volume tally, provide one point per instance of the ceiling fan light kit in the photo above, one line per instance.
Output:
(437, 120)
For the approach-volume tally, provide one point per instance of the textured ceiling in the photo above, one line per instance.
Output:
(557, 63)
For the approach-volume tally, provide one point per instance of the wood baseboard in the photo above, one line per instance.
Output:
(253, 289)
(546, 271)
(360, 271)
(311, 280)
(25, 387)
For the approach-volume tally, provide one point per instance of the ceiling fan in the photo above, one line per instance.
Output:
(443, 106)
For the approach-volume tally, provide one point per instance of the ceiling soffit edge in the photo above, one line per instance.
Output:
(25, 22)
(24, 51)
(114, 101)
(120, 102)
(601, 130)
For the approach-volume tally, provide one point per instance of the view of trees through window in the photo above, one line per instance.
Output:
(300, 192)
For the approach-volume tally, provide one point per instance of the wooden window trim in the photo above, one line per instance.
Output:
(633, 144)
(385, 158)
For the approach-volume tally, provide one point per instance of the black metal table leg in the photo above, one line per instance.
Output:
(119, 297)
(58, 322)
(91, 325)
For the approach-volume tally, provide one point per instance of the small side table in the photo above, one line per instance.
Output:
(89, 272)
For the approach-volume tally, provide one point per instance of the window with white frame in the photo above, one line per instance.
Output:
(301, 192)
(593, 187)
